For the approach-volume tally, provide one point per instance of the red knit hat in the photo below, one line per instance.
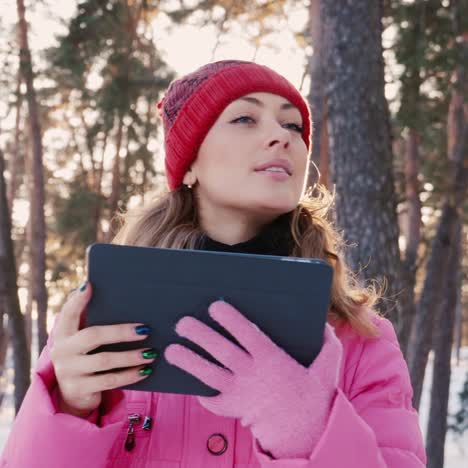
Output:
(194, 102)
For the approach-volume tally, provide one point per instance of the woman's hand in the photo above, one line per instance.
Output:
(285, 404)
(80, 390)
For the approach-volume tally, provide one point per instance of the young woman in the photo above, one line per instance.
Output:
(237, 139)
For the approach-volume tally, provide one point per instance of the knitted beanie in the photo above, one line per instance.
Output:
(193, 103)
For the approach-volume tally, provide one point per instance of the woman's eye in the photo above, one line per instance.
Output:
(243, 118)
(295, 127)
(247, 119)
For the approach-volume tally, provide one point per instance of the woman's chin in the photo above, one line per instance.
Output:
(275, 206)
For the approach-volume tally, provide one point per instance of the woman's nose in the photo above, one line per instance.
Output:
(279, 136)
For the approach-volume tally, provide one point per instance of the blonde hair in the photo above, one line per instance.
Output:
(171, 221)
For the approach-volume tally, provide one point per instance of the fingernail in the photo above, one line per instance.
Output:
(83, 286)
(221, 298)
(149, 354)
(142, 330)
(145, 370)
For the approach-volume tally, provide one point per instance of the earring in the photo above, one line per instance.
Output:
(189, 186)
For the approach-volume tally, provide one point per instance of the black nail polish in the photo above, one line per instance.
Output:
(142, 330)
(83, 286)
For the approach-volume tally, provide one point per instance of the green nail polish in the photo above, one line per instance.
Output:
(149, 354)
(83, 286)
(145, 370)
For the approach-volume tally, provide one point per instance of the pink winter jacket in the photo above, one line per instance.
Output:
(371, 424)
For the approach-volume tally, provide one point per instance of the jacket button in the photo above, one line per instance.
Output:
(217, 444)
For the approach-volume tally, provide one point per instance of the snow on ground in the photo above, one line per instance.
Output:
(456, 448)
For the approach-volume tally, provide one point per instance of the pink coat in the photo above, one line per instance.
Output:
(372, 423)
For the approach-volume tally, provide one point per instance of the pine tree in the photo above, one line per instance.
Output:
(109, 73)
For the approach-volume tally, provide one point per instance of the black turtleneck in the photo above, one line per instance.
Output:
(274, 239)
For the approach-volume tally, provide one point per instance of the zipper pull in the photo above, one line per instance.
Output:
(130, 439)
(147, 423)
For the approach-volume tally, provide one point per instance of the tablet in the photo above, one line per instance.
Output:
(286, 297)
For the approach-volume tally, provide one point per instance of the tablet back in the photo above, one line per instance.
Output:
(287, 298)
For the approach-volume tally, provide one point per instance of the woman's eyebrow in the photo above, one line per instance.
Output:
(252, 100)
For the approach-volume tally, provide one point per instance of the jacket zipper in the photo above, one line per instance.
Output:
(133, 419)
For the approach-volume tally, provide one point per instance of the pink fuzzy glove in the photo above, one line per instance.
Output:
(285, 404)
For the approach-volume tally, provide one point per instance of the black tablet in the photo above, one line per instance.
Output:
(286, 297)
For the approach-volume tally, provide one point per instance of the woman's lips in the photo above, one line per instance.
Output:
(275, 175)
(278, 164)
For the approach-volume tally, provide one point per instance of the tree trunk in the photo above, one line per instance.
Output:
(9, 300)
(14, 163)
(134, 13)
(98, 191)
(411, 118)
(360, 143)
(317, 100)
(37, 199)
(431, 300)
(412, 234)
(145, 161)
(443, 339)
(4, 342)
(438, 264)
(14, 166)
(116, 181)
(413, 231)
(28, 323)
(458, 330)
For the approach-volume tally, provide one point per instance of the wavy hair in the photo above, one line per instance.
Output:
(171, 221)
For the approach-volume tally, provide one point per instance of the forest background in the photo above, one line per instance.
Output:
(80, 139)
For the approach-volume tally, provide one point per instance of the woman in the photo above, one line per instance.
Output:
(237, 139)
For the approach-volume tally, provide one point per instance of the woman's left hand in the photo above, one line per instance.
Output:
(285, 404)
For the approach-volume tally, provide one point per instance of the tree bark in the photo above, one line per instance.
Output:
(317, 100)
(360, 144)
(28, 322)
(9, 301)
(4, 342)
(37, 198)
(14, 163)
(458, 330)
(14, 166)
(412, 234)
(443, 340)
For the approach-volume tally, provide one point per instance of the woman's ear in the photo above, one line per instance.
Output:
(189, 178)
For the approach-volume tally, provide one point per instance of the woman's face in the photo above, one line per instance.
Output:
(253, 159)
